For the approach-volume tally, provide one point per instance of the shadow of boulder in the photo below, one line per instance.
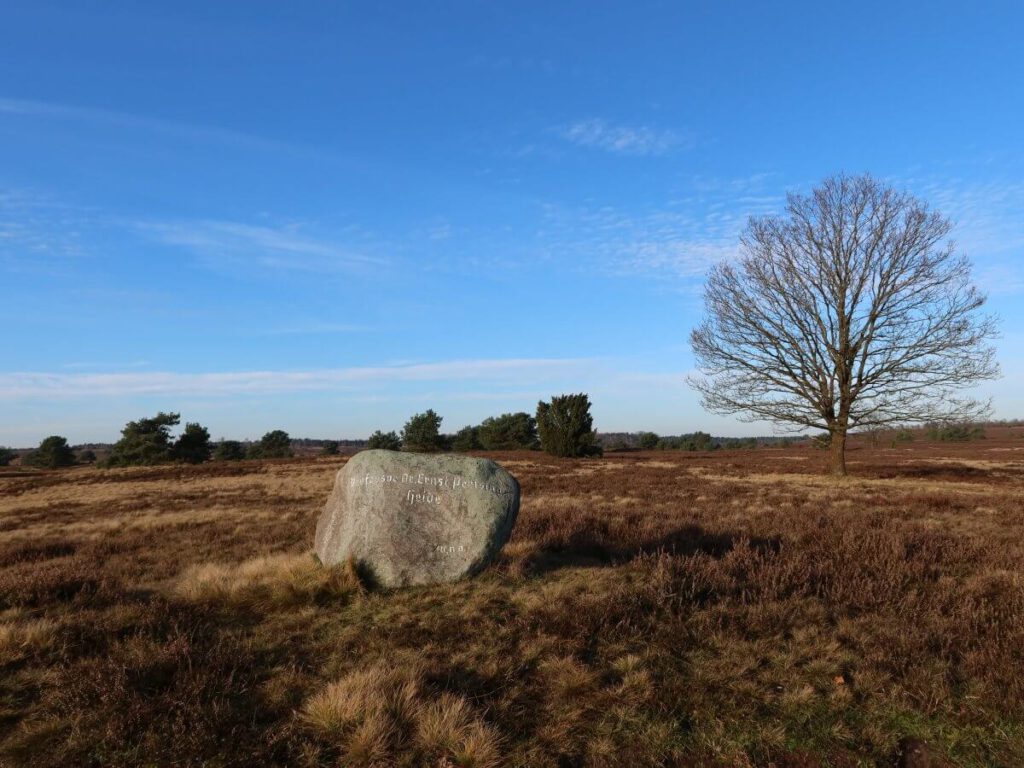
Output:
(588, 549)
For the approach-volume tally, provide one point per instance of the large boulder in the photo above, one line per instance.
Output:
(413, 518)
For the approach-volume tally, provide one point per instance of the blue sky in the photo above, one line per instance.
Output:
(327, 217)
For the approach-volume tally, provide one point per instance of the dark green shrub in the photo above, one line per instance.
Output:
(566, 427)
(87, 457)
(330, 448)
(507, 432)
(144, 442)
(273, 445)
(956, 433)
(388, 441)
(229, 450)
(193, 445)
(52, 453)
(422, 433)
(467, 439)
(648, 441)
(6, 456)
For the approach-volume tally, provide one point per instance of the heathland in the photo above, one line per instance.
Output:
(728, 608)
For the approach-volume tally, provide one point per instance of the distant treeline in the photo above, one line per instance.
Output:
(691, 441)
(562, 427)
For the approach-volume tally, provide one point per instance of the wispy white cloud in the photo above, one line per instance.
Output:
(1000, 279)
(679, 241)
(988, 218)
(38, 233)
(623, 139)
(507, 372)
(21, 108)
(235, 244)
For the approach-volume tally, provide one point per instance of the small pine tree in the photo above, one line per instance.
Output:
(144, 442)
(422, 433)
(229, 450)
(52, 453)
(330, 448)
(87, 456)
(388, 441)
(273, 445)
(6, 456)
(566, 427)
(193, 445)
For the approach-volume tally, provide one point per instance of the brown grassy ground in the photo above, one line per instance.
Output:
(728, 609)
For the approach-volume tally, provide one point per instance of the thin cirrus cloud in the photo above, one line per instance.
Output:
(678, 242)
(36, 230)
(988, 226)
(230, 244)
(639, 140)
(112, 119)
(44, 386)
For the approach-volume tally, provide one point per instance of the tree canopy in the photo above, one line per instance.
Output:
(276, 444)
(388, 441)
(193, 445)
(566, 427)
(648, 440)
(229, 450)
(422, 433)
(53, 452)
(467, 439)
(509, 431)
(144, 442)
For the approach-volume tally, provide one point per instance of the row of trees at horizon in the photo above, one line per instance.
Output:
(562, 427)
(148, 441)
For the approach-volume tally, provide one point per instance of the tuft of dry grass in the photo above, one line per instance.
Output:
(275, 582)
(383, 715)
(23, 638)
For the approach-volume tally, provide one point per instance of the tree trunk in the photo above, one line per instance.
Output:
(837, 452)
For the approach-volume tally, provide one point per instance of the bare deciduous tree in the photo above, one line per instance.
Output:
(850, 311)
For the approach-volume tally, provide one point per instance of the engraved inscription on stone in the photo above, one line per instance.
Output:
(417, 518)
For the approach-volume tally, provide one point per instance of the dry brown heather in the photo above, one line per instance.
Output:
(729, 609)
